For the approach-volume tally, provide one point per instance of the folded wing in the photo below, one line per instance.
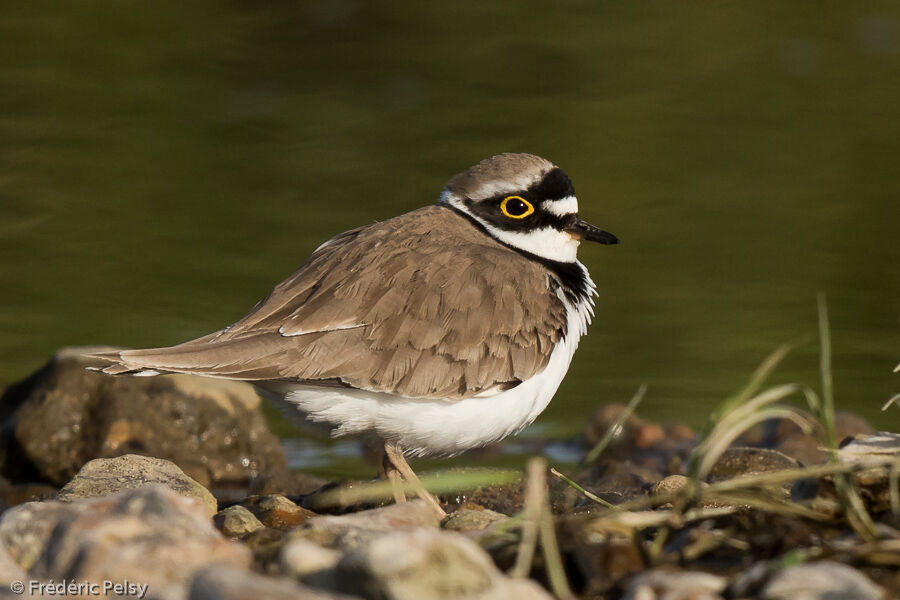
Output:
(395, 307)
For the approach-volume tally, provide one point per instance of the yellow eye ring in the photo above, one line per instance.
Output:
(529, 209)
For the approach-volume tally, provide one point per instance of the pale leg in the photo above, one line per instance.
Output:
(394, 455)
(392, 474)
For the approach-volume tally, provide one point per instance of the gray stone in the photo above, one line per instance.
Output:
(674, 585)
(26, 529)
(222, 583)
(104, 476)
(302, 559)
(236, 521)
(348, 531)
(9, 569)
(824, 580)
(149, 535)
(62, 416)
(428, 564)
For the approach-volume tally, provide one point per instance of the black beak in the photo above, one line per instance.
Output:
(585, 231)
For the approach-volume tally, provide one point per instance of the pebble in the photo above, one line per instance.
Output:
(428, 564)
(104, 476)
(277, 512)
(741, 461)
(348, 531)
(149, 535)
(824, 580)
(301, 559)
(223, 583)
(236, 521)
(658, 584)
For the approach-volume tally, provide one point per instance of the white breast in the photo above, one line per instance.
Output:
(440, 427)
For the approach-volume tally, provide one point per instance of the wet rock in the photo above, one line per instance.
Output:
(821, 581)
(286, 483)
(277, 512)
(471, 517)
(785, 436)
(662, 449)
(742, 461)
(104, 476)
(13, 494)
(601, 558)
(149, 534)
(659, 584)
(847, 424)
(222, 583)
(805, 448)
(505, 498)
(62, 416)
(338, 497)
(236, 521)
(350, 530)
(427, 564)
(605, 417)
(616, 480)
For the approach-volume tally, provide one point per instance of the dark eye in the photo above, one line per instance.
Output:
(516, 207)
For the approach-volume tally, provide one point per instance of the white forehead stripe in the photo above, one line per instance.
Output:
(498, 187)
(563, 207)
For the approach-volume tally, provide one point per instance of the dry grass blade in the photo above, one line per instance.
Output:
(854, 508)
(894, 486)
(628, 521)
(715, 427)
(766, 503)
(759, 377)
(535, 489)
(556, 571)
(436, 483)
(719, 441)
(616, 427)
(586, 493)
(537, 523)
(895, 400)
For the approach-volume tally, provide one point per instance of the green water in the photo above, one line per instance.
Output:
(163, 164)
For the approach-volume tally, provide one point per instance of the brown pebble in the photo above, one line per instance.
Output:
(277, 512)
(648, 435)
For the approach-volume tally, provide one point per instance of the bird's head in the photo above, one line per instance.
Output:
(525, 202)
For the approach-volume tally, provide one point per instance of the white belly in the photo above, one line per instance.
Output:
(437, 427)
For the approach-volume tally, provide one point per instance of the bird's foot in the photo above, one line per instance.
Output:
(397, 469)
(392, 474)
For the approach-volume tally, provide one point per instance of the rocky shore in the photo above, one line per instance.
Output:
(174, 488)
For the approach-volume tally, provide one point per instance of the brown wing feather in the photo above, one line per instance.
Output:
(402, 306)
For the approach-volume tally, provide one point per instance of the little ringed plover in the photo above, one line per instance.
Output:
(443, 329)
